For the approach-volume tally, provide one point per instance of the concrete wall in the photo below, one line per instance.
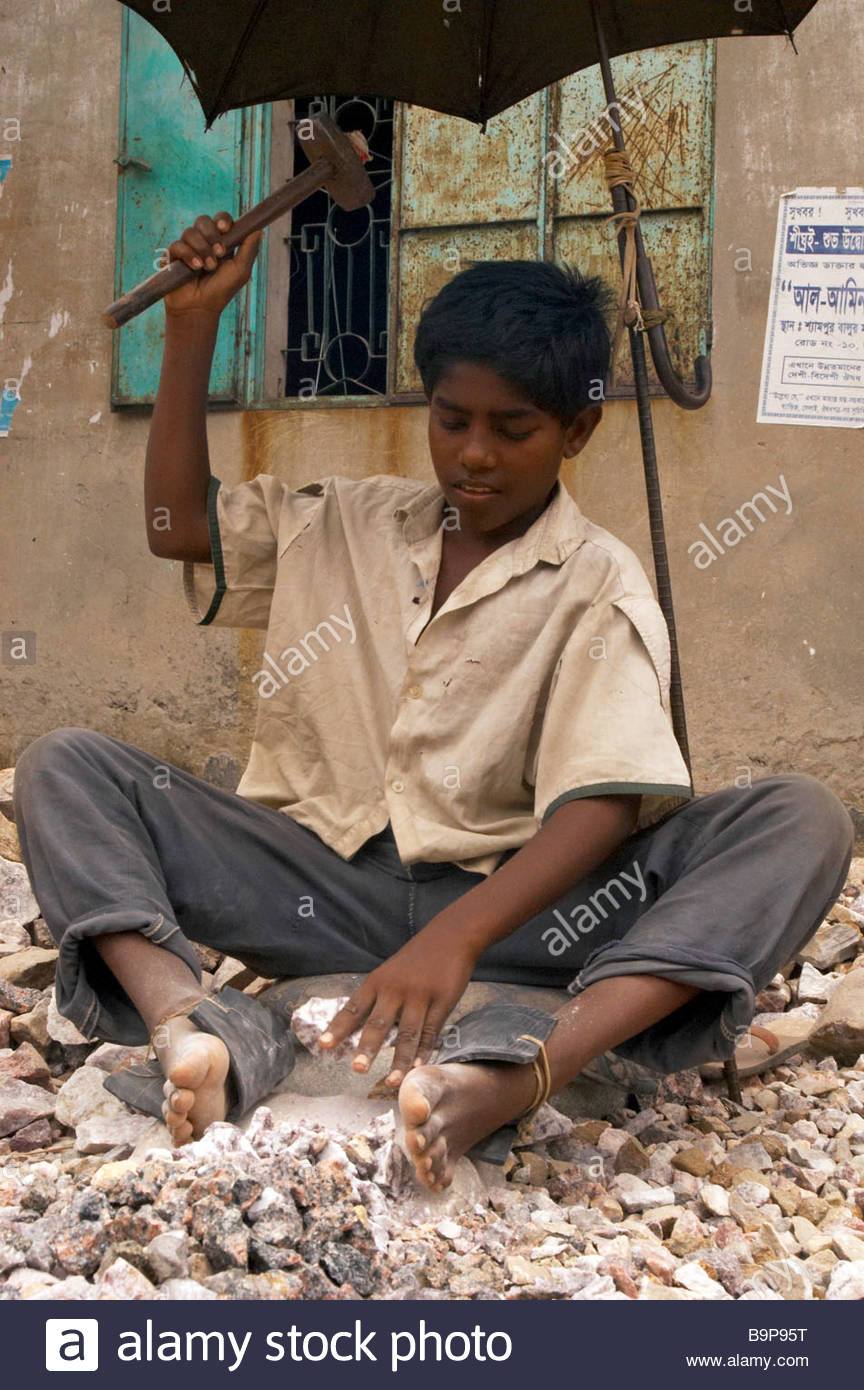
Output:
(770, 634)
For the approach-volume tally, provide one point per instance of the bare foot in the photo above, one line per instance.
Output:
(196, 1065)
(446, 1110)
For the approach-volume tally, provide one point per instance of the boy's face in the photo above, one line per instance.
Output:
(496, 454)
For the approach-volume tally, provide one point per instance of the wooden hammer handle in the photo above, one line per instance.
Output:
(151, 290)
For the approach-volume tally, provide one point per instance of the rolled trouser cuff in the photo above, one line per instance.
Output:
(705, 1029)
(497, 1033)
(261, 1054)
(87, 991)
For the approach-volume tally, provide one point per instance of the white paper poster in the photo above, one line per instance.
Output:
(813, 363)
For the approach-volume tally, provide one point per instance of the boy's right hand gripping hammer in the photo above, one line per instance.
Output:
(335, 164)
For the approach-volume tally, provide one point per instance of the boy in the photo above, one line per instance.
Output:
(463, 764)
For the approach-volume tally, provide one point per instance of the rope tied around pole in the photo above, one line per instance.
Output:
(619, 174)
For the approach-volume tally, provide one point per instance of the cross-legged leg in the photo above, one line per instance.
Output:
(672, 938)
(448, 1109)
(195, 1064)
(132, 860)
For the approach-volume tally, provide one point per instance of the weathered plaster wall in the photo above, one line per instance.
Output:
(770, 634)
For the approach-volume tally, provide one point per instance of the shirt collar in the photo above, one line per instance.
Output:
(557, 532)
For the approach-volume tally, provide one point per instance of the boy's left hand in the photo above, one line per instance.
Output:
(418, 985)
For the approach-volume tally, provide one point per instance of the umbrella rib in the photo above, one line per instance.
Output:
(788, 27)
(483, 55)
(238, 54)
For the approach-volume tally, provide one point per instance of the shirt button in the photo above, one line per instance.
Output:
(398, 786)
(415, 692)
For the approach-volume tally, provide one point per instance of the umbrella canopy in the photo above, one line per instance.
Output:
(470, 58)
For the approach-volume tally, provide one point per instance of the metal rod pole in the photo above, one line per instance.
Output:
(658, 540)
(622, 202)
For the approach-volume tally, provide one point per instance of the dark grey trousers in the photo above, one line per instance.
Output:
(721, 894)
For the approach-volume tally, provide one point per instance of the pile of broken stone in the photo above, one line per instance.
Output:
(680, 1194)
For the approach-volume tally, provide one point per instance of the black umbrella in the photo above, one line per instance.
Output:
(470, 58)
(475, 58)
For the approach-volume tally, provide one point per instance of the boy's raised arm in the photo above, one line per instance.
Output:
(177, 468)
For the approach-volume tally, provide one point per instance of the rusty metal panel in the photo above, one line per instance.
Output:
(429, 258)
(452, 175)
(665, 99)
(675, 243)
(666, 113)
(534, 186)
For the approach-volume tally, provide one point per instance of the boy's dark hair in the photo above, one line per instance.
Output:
(540, 326)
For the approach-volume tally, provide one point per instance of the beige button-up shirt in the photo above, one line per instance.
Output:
(544, 677)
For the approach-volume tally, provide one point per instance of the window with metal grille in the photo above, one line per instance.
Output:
(330, 313)
(338, 271)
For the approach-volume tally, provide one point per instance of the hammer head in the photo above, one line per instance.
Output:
(321, 138)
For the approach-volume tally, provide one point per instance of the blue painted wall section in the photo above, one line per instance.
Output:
(8, 401)
(9, 396)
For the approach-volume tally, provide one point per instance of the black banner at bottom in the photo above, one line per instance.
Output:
(413, 1344)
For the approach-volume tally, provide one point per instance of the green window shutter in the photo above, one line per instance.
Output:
(465, 196)
(169, 171)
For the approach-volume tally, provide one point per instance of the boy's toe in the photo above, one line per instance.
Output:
(438, 1155)
(181, 1101)
(415, 1140)
(413, 1102)
(431, 1166)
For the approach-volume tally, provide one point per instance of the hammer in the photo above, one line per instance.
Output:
(335, 164)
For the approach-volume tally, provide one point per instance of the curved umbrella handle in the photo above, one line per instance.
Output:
(671, 382)
(675, 388)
